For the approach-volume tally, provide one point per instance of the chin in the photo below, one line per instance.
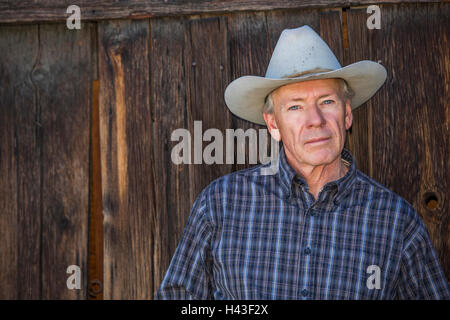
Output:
(320, 156)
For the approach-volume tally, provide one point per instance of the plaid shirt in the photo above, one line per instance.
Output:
(254, 236)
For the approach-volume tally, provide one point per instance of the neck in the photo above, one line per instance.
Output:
(318, 176)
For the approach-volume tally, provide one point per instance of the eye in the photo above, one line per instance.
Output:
(296, 107)
(328, 101)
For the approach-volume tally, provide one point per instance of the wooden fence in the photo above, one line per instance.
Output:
(86, 118)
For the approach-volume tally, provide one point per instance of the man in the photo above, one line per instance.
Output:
(318, 228)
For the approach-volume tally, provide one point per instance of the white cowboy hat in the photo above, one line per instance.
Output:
(300, 55)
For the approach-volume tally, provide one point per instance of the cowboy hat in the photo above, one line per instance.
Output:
(301, 55)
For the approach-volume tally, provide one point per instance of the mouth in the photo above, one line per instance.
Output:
(318, 141)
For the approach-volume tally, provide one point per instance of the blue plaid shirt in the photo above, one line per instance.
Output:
(255, 236)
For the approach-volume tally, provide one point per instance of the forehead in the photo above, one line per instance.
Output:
(305, 89)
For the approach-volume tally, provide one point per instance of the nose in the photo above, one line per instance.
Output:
(314, 117)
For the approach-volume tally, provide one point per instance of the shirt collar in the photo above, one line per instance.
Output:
(287, 175)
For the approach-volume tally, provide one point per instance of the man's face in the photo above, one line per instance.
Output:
(307, 111)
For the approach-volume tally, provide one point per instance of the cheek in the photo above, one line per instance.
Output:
(337, 119)
(293, 127)
(336, 126)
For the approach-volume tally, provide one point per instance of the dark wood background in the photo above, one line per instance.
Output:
(86, 118)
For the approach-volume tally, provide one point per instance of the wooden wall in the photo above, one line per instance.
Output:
(86, 118)
(46, 73)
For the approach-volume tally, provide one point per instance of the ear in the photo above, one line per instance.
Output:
(271, 123)
(348, 115)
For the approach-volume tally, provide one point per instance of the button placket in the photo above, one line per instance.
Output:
(309, 216)
(303, 243)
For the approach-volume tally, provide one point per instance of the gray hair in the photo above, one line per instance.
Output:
(345, 90)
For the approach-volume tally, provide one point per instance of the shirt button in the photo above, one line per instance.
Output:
(307, 250)
(304, 292)
(313, 213)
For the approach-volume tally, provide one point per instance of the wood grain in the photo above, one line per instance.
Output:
(62, 76)
(20, 165)
(95, 279)
(207, 74)
(50, 10)
(45, 104)
(401, 134)
(250, 53)
(127, 177)
(169, 112)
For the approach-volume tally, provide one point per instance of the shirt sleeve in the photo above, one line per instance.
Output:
(189, 276)
(421, 274)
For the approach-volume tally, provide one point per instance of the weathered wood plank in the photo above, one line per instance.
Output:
(249, 55)
(32, 11)
(48, 169)
(190, 68)
(405, 126)
(207, 74)
(169, 108)
(63, 76)
(95, 279)
(20, 160)
(361, 49)
(127, 176)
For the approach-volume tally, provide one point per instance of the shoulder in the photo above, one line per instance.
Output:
(410, 222)
(219, 196)
(237, 181)
(381, 193)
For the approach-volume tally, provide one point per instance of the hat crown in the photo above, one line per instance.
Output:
(299, 51)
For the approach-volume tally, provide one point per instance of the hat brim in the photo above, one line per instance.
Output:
(245, 96)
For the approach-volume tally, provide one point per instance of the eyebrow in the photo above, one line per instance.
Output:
(320, 97)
